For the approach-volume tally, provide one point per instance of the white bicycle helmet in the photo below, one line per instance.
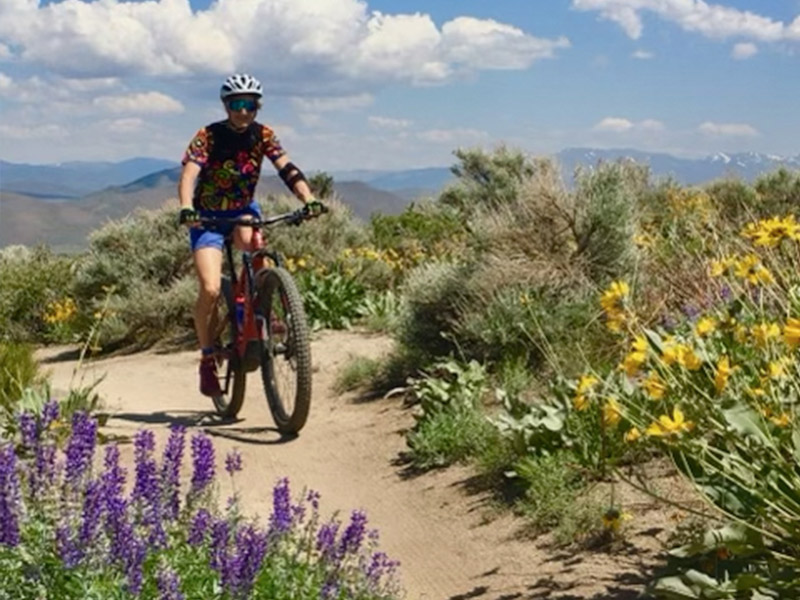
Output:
(238, 84)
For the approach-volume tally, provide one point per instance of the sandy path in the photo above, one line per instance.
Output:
(451, 544)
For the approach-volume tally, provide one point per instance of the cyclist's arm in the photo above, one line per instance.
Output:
(293, 178)
(187, 183)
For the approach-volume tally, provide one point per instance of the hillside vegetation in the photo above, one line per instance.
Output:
(559, 338)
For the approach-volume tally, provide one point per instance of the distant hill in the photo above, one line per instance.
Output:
(63, 203)
(64, 223)
(74, 179)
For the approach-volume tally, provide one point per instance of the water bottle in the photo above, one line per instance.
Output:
(239, 311)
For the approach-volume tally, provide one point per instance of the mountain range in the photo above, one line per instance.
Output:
(62, 203)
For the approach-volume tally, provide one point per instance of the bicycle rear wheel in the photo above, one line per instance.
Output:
(229, 366)
(286, 354)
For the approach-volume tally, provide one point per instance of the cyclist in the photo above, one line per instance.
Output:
(221, 168)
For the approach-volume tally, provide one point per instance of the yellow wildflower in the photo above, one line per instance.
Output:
(632, 435)
(751, 269)
(666, 426)
(689, 359)
(585, 383)
(721, 265)
(763, 332)
(770, 232)
(613, 519)
(611, 413)
(757, 392)
(723, 373)
(791, 332)
(782, 420)
(705, 326)
(654, 386)
(580, 402)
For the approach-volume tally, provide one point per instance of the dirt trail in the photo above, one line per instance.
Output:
(452, 544)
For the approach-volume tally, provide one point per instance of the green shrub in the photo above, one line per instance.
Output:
(18, 371)
(332, 300)
(431, 295)
(778, 192)
(606, 198)
(555, 498)
(36, 303)
(357, 372)
(486, 180)
(138, 274)
(452, 426)
(380, 311)
(426, 223)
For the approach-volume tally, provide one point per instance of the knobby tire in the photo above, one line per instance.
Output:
(280, 301)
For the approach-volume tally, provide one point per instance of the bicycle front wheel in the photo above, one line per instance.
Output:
(286, 353)
(230, 369)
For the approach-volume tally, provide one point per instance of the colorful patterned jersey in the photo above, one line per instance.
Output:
(230, 164)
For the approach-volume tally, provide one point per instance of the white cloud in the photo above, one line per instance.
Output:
(744, 51)
(389, 123)
(129, 125)
(711, 20)
(333, 103)
(728, 129)
(22, 132)
(330, 43)
(452, 136)
(6, 84)
(621, 125)
(642, 55)
(5, 52)
(145, 102)
(487, 44)
(614, 124)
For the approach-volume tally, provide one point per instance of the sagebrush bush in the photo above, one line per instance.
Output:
(32, 282)
(322, 239)
(431, 295)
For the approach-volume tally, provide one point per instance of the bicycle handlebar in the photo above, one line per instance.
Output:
(292, 218)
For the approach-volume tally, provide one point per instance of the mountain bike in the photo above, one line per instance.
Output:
(259, 323)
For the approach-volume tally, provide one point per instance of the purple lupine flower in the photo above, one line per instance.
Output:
(118, 528)
(233, 462)
(240, 570)
(80, 447)
(134, 561)
(68, 550)
(9, 497)
(220, 531)
(330, 590)
(203, 460)
(726, 293)
(44, 469)
(147, 490)
(50, 413)
(281, 518)
(354, 534)
(113, 477)
(326, 540)
(313, 498)
(169, 585)
(171, 470)
(92, 512)
(29, 430)
(198, 527)
(690, 311)
(380, 565)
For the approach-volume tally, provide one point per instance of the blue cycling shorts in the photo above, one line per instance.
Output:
(201, 237)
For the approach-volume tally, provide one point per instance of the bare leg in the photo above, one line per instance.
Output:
(208, 263)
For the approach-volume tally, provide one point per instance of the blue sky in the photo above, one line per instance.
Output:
(399, 84)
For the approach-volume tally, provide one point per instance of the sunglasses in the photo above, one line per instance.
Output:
(238, 104)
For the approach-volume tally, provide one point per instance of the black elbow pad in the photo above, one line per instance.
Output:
(291, 174)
